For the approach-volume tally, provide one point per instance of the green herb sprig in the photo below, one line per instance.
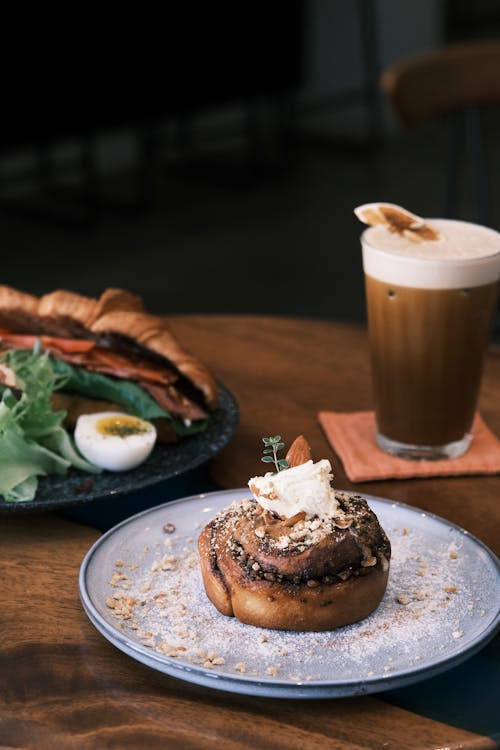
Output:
(273, 445)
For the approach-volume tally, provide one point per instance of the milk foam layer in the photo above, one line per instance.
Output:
(466, 255)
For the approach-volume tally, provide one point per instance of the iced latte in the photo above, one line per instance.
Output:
(430, 305)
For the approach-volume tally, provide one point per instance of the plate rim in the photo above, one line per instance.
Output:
(277, 688)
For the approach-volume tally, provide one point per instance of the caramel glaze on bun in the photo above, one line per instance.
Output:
(295, 573)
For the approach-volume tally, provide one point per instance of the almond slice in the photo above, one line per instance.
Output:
(300, 516)
(397, 219)
(299, 452)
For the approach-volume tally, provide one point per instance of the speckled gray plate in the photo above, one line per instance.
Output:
(441, 606)
(165, 462)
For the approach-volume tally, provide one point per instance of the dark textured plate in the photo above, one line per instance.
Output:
(166, 461)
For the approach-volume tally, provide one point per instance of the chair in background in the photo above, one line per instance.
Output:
(455, 81)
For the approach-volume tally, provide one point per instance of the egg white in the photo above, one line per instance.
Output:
(113, 452)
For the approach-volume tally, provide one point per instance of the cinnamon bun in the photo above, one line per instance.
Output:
(306, 571)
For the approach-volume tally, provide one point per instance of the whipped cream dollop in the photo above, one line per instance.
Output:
(306, 488)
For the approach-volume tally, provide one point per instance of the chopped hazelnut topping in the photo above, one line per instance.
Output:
(295, 519)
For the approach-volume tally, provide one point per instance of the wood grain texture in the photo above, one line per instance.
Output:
(62, 685)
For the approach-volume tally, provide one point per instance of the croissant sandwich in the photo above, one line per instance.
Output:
(298, 555)
(111, 353)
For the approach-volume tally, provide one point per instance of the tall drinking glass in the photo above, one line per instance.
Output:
(430, 307)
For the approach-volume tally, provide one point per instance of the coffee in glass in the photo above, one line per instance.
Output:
(431, 294)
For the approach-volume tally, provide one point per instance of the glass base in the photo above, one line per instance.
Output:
(424, 452)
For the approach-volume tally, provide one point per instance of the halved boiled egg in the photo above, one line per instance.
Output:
(114, 441)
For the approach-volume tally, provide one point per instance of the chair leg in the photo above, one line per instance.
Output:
(146, 172)
(370, 59)
(454, 163)
(90, 179)
(478, 166)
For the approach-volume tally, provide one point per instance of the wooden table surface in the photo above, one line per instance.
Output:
(62, 685)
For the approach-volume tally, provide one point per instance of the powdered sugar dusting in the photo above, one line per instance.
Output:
(439, 596)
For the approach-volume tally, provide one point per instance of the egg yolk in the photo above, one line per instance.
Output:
(121, 426)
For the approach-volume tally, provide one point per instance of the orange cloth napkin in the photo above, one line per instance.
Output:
(352, 437)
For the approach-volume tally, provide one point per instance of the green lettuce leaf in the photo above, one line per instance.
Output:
(59, 442)
(33, 411)
(21, 461)
(32, 441)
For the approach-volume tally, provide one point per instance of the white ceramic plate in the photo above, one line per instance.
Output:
(441, 606)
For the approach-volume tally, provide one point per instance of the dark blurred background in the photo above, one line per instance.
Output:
(208, 156)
